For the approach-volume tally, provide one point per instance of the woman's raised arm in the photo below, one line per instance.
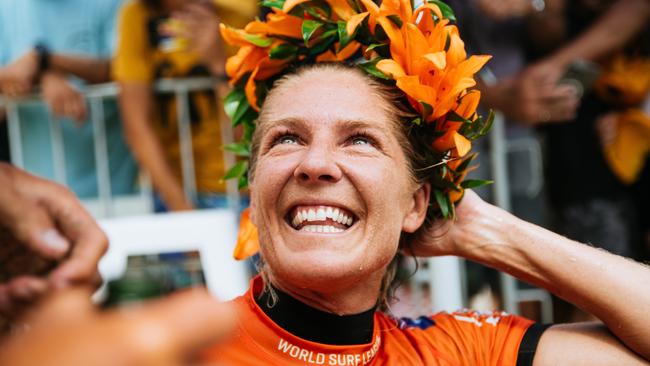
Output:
(613, 288)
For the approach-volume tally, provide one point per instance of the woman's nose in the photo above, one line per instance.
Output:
(318, 166)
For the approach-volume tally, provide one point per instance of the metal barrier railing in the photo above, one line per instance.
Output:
(95, 95)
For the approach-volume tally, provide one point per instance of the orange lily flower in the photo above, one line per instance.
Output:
(277, 23)
(452, 140)
(414, 52)
(248, 242)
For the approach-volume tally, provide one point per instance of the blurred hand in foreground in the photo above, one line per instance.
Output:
(67, 330)
(47, 240)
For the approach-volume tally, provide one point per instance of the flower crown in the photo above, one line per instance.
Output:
(418, 51)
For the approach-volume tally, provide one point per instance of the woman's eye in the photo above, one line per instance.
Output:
(286, 140)
(360, 140)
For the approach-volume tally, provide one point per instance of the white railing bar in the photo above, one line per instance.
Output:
(190, 84)
(531, 145)
(15, 137)
(58, 150)
(445, 282)
(227, 137)
(185, 137)
(101, 155)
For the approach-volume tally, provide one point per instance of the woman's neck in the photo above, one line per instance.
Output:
(316, 325)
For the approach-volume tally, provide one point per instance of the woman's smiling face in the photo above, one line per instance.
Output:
(331, 191)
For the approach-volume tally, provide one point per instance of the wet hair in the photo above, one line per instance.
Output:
(396, 106)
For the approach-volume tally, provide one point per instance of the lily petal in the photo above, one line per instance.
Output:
(250, 90)
(354, 22)
(463, 145)
(247, 239)
(438, 59)
(468, 104)
(277, 24)
(290, 4)
(391, 68)
(342, 8)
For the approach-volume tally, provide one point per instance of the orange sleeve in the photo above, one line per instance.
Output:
(133, 60)
(480, 339)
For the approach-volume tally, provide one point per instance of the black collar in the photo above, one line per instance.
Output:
(315, 325)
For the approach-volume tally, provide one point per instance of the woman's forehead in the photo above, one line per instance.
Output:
(325, 95)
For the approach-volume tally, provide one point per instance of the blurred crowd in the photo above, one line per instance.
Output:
(574, 74)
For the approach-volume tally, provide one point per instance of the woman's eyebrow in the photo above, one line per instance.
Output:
(290, 123)
(360, 124)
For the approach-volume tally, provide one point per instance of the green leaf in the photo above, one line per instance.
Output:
(344, 37)
(455, 117)
(443, 202)
(258, 40)
(242, 182)
(473, 183)
(322, 46)
(309, 27)
(447, 11)
(375, 45)
(232, 100)
(427, 109)
(278, 4)
(283, 51)
(371, 68)
(243, 112)
(237, 170)
(239, 148)
(313, 8)
(488, 124)
(465, 163)
(329, 33)
(395, 19)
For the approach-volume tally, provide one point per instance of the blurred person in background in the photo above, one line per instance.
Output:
(49, 249)
(584, 142)
(616, 37)
(175, 39)
(54, 47)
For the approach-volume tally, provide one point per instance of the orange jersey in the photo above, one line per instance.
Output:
(460, 338)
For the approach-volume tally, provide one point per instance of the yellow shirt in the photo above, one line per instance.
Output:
(144, 54)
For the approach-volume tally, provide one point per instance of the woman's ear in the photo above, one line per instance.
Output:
(418, 212)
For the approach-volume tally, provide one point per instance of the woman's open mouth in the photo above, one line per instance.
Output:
(320, 219)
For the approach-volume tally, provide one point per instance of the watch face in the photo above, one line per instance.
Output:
(164, 34)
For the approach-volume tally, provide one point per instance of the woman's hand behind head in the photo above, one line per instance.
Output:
(451, 237)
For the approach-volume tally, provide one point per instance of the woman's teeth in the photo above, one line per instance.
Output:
(321, 215)
(321, 229)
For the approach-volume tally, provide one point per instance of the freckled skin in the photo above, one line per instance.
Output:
(316, 157)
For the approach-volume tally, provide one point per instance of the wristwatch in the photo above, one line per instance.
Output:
(43, 57)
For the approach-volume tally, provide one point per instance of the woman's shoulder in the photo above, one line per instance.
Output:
(465, 336)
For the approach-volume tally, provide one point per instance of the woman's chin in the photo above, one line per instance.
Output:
(320, 271)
